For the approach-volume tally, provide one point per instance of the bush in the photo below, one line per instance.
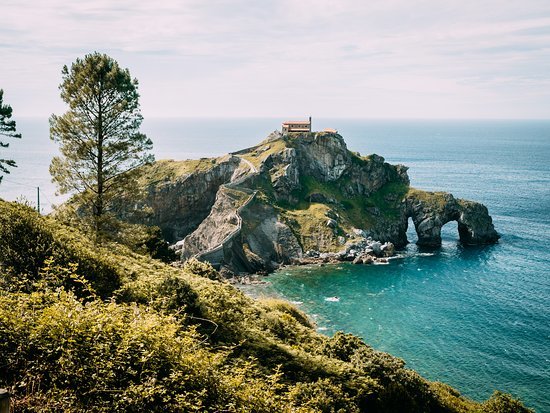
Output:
(287, 308)
(504, 403)
(63, 355)
(29, 240)
(323, 396)
(202, 269)
(157, 247)
(342, 346)
(175, 294)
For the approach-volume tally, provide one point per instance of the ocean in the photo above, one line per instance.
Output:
(477, 318)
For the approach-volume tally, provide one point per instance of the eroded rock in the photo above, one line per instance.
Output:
(430, 211)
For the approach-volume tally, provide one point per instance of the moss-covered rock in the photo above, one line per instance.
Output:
(431, 210)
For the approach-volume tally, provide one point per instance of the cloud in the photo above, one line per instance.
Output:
(331, 58)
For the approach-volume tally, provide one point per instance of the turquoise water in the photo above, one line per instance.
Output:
(477, 318)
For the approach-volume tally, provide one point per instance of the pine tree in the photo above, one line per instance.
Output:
(7, 128)
(99, 136)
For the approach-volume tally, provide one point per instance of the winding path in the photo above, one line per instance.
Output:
(252, 170)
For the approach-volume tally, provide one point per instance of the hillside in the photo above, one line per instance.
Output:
(293, 194)
(97, 329)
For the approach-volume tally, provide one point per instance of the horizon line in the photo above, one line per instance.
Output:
(313, 117)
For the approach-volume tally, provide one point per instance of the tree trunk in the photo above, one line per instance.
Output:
(100, 179)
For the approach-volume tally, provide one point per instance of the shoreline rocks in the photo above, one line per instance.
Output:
(366, 251)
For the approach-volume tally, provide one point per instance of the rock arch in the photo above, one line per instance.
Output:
(431, 210)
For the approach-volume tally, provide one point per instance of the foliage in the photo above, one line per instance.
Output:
(202, 269)
(105, 357)
(140, 238)
(504, 403)
(342, 346)
(31, 244)
(173, 341)
(436, 200)
(174, 293)
(323, 396)
(99, 136)
(7, 128)
(287, 308)
(157, 247)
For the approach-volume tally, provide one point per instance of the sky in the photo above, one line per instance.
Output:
(290, 58)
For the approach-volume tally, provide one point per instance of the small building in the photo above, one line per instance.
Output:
(297, 126)
(330, 130)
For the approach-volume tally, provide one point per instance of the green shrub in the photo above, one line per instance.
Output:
(175, 294)
(287, 308)
(342, 346)
(504, 403)
(202, 269)
(27, 240)
(323, 396)
(111, 357)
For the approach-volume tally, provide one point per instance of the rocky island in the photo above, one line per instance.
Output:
(295, 197)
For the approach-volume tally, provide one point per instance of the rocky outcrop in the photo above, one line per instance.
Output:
(324, 157)
(264, 236)
(221, 223)
(264, 206)
(366, 251)
(430, 211)
(178, 203)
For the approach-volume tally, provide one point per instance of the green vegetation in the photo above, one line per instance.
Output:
(259, 153)
(8, 129)
(29, 243)
(434, 199)
(388, 198)
(168, 170)
(308, 219)
(310, 226)
(97, 329)
(357, 209)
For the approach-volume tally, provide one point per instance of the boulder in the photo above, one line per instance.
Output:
(388, 249)
(331, 223)
(376, 247)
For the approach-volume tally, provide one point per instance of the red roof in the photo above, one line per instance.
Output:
(296, 122)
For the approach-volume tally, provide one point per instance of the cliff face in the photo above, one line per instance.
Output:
(269, 204)
(178, 195)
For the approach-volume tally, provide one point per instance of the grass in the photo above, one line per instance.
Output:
(259, 153)
(310, 227)
(435, 199)
(170, 170)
